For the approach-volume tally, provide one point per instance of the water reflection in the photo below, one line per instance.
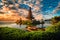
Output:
(14, 25)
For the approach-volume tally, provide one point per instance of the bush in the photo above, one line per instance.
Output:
(10, 33)
(39, 36)
(54, 28)
(55, 20)
(51, 33)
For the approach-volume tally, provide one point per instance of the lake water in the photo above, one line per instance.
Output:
(14, 25)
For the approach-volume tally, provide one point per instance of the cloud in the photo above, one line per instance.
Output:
(37, 2)
(36, 8)
(41, 5)
(23, 12)
(11, 5)
(11, 15)
(1, 3)
(48, 16)
(17, 5)
(56, 9)
(50, 6)
(25, 2)
(39, 17)
(20, 1)
(31, 5)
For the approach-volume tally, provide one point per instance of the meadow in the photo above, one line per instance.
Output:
(51, 33)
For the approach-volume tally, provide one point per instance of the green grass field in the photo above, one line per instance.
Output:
(51, 33)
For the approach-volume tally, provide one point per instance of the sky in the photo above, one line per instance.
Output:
(51, 7)
(45, 8)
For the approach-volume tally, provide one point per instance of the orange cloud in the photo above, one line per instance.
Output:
(10, 15)
(39, 17)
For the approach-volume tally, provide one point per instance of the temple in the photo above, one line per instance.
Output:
(30, 16)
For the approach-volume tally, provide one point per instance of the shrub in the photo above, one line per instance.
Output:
(55, 19)
(51, 33)
(39, 36)
(10, 33)
(54, 28)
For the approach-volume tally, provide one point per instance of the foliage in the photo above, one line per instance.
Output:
(54, 28)
(55, 19)
(10, 33)
(24, 22)
(34, 22)
(51, 33)
(27, 22)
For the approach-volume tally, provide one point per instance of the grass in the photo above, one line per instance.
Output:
(51, 33)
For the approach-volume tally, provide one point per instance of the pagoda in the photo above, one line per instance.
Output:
(30, 16)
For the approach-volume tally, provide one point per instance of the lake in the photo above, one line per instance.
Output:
(14, 25)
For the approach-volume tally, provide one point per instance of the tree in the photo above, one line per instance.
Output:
(19, 22)
(42, 22)
(34, 22)
(55, 19)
